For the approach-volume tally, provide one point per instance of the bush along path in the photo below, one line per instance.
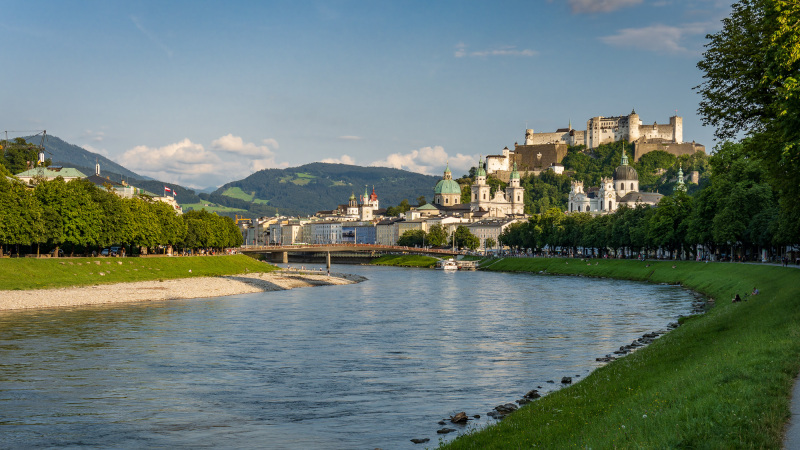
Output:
(721, 380)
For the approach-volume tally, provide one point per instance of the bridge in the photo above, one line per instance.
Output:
(281, 252)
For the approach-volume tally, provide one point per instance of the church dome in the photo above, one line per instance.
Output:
(626, 172)
(447, 187)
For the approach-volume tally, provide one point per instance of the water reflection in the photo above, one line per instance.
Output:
(360, 366)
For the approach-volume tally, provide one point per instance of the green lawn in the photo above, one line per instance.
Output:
(210, 207)
(237, 192)
(47, 273)
(405, 261)
(722, 380)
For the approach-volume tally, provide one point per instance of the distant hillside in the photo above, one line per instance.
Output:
(65, 154)
(322, 186)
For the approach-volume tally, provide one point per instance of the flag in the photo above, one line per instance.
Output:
(168, 190)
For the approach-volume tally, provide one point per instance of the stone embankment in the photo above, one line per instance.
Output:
(182, 288)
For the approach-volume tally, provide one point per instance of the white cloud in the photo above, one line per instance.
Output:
(427, 160)
(350, 138)
(99, 151)
(234, 144)
(658, 38)
(461, 51)
(191, 164)
(94, 136)
(345, 159)
(599, 6)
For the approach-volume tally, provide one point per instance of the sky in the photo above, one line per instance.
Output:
(201, 93)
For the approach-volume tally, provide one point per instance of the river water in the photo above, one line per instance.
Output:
(360, 366)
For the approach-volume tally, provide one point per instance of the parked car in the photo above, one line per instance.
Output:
(108, 252)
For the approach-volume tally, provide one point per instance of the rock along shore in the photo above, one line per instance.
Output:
(181, 288)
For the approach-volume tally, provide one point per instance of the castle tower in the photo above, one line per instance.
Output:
(633, 126)
(529, 136)
(515, 193)
(677, 129)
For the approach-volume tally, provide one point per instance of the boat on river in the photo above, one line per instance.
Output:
(446, 265)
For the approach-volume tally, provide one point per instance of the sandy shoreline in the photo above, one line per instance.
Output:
(182, 288)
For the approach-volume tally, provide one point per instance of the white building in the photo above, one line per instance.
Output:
(490, 229)
(623, 189)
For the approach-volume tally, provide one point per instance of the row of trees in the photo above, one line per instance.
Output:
(437, 237)
(735, 213)
(80, 217)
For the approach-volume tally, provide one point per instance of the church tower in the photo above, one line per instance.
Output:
(515, 193)
(352, 206)
(480, 190)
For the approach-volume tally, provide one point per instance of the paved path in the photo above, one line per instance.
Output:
(791, 440)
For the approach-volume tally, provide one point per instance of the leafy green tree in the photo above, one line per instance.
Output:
(412, 238)
(750, 85)
(19, 154)
(463, 238)
(421, 200)
(437, 236)
(490, 243)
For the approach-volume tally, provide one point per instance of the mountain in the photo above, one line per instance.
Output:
(322, 186)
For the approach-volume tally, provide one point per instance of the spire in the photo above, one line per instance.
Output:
(481, 171)
(514, 174)
(570, 125)
(624, 158)
(680, 185)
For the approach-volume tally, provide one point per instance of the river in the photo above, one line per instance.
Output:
(359, 366)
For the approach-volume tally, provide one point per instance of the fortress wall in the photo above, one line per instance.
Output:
(686, 148)
(528, 159)
(546, 138)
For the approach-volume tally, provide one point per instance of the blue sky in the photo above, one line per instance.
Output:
(201, 93)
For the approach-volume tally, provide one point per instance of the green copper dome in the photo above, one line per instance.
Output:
(447, 187)
(514, 173)
(481, 171)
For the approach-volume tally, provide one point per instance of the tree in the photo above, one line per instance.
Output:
(421, 200)
(437, 236)
(18, 155)
(751, 86)
(412, 238)
(463, 238)
(490, 243)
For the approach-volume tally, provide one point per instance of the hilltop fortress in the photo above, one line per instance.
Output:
(544, 150)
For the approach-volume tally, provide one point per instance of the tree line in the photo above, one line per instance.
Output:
(81, 218)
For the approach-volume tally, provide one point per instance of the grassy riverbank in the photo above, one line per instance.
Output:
(46, 273)
(722, 380)
(405, 261)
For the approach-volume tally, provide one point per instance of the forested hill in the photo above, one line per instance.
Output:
(322, 186)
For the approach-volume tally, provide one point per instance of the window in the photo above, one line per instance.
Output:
(609, 205)
(631, 186)
(447, 200)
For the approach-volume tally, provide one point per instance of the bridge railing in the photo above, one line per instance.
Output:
(284, 248)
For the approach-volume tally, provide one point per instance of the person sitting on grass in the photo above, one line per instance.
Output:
(755, 291)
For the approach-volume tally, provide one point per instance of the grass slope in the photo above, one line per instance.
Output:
(405, 261)
(47, 273)
(722, 380)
